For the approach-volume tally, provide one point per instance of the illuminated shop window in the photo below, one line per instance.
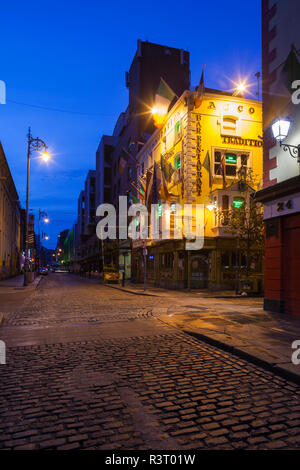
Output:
(177, 127)
(238, 202)
(177, 161)
(230, 163)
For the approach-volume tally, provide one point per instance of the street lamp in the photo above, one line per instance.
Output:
(33, 144)
(280, 129)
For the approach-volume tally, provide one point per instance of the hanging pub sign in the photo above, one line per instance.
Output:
(229, 139)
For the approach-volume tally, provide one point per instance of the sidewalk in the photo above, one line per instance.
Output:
(17, 282)
(245, 330)
(12, 292)
(232, 323)
(138, 289)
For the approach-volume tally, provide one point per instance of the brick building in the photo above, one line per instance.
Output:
(281, 193)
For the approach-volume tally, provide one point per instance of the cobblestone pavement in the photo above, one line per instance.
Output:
(90, 367)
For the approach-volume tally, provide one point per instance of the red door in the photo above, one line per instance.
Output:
(291, 259)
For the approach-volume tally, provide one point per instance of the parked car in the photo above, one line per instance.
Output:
(44, 271)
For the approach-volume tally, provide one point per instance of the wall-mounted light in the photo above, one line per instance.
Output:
(280, 129)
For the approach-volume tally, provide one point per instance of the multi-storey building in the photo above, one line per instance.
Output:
(202, 135)
(281, 193)
(134, 125)
(104, 169)
(10, 222)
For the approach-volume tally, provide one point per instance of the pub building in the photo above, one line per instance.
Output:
(202, 150)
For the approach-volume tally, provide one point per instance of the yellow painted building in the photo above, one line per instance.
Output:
(217, 127)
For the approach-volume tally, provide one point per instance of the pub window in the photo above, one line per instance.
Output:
(230, 164)
(167, 260)
(218, 157)
(225, 203)
(225, 207)
(177, 127)
(225, 260)
(238, 202)
(244, 160)
(177, 161)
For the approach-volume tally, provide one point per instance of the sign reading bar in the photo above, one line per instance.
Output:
(229, 139)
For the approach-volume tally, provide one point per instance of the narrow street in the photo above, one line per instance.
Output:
(91, 367)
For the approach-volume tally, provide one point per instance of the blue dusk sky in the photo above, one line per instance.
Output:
(72, 56)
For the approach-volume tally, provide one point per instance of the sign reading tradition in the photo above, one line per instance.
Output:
(229, 139)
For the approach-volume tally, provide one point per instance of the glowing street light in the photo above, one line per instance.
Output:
(45, 156)
(241, 88)
(280, 129)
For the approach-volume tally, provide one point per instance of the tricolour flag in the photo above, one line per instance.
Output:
(141, 195)
(206, 165)
(164, 95)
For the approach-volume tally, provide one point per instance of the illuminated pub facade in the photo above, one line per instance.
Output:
(191, 140)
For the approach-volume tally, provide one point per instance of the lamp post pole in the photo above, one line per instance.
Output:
(33, 144)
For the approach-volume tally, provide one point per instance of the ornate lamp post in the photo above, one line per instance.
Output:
(34, 144)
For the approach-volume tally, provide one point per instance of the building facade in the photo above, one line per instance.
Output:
(281, 193)
(10, 223)
(199, 137)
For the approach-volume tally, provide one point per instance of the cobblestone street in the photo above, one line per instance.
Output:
(90, 367)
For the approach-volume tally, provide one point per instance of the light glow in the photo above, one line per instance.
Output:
(159, 114)
(280, 129)
(210, 207)
(45, 156)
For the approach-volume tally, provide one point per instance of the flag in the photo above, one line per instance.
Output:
(167, 168)
(164, 95)
(149, 181)
(155, 186)
(133, 198)
(163, 98)
(222, 170)
(165, 195)
(200, 90)
(143, 185)
(142, 196)
(206, 165)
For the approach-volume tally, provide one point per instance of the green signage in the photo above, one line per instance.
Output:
(238, 203)
(230, 158)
